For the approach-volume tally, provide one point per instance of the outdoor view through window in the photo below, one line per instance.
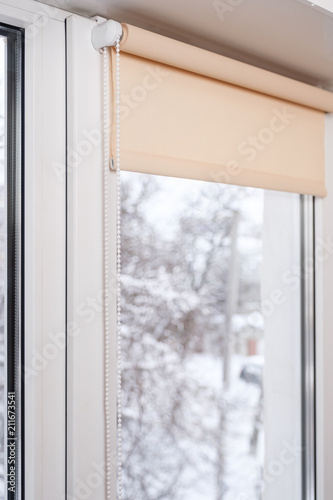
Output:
(193, 340)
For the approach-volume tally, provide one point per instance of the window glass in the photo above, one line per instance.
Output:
(2, 261)
(11, 325)
(194, 352)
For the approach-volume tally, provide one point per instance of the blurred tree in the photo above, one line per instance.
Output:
(175, 290)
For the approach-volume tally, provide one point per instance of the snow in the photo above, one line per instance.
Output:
(202, 376)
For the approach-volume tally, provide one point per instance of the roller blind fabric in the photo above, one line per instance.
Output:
(186, 112)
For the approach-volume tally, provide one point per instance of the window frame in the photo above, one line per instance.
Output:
(86, 283)
(324, 325)
(14, 274)
(45, 244)
(45, 258)
(308, 345)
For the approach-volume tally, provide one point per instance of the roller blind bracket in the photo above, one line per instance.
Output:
(105, 34)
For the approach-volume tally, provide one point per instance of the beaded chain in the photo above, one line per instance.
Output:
(119, 338)
(109, 466)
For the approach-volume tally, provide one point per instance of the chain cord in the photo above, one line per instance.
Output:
(106, 129)
(119, 336)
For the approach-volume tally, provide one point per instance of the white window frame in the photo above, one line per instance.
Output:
(45, 264)
(45, 245)
(282, 477)
(86, 442)
(324, 326)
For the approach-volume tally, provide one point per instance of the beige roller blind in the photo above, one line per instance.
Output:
(186, 112)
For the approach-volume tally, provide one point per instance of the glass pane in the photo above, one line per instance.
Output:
(2, 261)
(194, 341)
(10, 261)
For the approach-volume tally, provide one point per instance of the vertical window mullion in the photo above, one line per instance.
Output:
(308, 348)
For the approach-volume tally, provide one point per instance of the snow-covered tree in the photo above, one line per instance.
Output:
(175, 302)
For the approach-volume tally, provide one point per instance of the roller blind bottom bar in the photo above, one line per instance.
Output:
(143, 163)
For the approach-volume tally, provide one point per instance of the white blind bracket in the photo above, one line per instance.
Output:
(106, 34)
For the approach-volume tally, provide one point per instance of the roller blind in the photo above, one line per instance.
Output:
(187, 112)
